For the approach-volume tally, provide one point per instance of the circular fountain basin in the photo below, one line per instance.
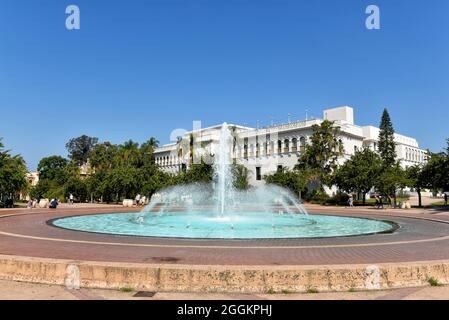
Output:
(206, 225)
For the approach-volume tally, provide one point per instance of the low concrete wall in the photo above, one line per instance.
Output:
(192, 278)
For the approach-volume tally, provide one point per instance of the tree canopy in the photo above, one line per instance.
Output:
(359, 173)
(321, 154)
(79, 148)
(387, 146)
(12, 172)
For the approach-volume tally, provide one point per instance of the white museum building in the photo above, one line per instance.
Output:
(264, 150)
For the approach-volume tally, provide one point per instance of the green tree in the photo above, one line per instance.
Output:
(200, 172)
(321, 154)
(103, 156)
(437, 170)
(79, 148)
(147, 150)
(419, 179)
(387, 146)
(12, 173)
(241, 177)
(123, 182)
(154, 180)
(130, 154)
(294, 180)
(390, 180)
(359, 173)
(52, 168)
(77, 187)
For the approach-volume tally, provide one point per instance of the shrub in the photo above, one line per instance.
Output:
(271, 291)
(433, 282)
(317, 196)
(312, 290)
(340, 198)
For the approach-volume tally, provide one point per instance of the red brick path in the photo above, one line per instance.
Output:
(418, 239)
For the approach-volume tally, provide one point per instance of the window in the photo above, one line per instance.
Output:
(286, 146)
(279, 146)
(302, 144)
(294, 145)
(258, 174)
(280, 168)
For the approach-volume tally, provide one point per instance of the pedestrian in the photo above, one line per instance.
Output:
(30, 204)
(71, 199)
(381, 202)
(351, 201)
(54, 204)
(138, 199)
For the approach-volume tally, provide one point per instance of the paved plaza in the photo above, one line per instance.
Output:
(33, 250)
(423, 236)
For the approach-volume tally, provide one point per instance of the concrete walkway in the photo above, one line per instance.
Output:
(26, 291)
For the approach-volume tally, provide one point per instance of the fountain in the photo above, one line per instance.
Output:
(222, 198)
(220, 211)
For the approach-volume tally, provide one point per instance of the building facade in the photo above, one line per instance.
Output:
(264, 150)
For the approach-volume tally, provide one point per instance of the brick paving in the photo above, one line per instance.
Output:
(423, 236)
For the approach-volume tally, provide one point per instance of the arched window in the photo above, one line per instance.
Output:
(286, 146)
(294, 145)
(302, 144)
(279, 146)
(257, 150)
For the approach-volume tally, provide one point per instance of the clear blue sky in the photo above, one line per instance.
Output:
(142, 68)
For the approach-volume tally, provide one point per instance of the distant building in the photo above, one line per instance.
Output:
(264, 150)
(33, 178)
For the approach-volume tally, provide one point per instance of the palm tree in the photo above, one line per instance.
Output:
(147, 149)
(130, 153)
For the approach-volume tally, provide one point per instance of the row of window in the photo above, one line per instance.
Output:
(415, 155)
(282, 146)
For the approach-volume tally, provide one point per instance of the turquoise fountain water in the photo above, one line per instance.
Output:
(220, 211)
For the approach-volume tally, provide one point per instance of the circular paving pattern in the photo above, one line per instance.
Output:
(420, 237)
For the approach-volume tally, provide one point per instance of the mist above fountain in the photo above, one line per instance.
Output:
(221, 197)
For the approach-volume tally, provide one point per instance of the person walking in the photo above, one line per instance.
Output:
(351, 201)
(71, 199)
